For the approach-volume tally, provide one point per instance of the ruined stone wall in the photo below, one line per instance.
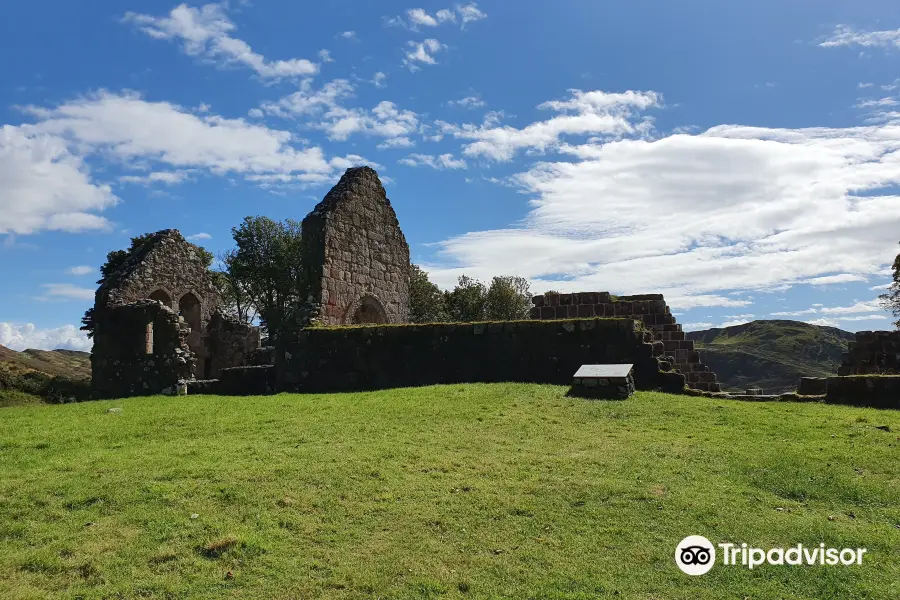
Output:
(651, 309)
(872, 352)
(139, 349)
(377, 357)
(231, 343)
(876, 391)
(356, 259)
(169, 269)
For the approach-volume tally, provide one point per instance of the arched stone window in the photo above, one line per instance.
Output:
(189, 308)
(162, 296)
(368, 309)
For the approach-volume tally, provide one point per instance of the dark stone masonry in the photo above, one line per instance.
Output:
(650, 309)
(328, 359)
(141, 349)
(356, 258)
(873, 352)
(133, 344)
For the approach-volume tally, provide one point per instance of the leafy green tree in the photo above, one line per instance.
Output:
(508, 299)
(267, 266)
(234, 300)
(467, 302)
(891, 299)
(426, 300)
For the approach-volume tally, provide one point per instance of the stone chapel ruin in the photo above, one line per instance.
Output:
(356, 259)
(157, 323)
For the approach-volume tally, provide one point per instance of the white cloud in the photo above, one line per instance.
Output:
(444, 161)
(255, 113)
(353, 160)
(468, 102)
(865, 318)
(164, 177)
(445, 15)
(308, 101)
(732, 208)
(198, 237)
(686, 302)
(23, 336)
(696, 326)
(881, 102)
(862, 85)
(422, 52)
(859, 307)
(469, 13)
(43, 185)
(399, 142)
(883, 286)
(46, 184)
(204, 32)
(418, 16)
(326, 113)
(127, 128)
(65, 291)
(80, 270)
(325, 56)
(832, 279)
(845, 35)
(348, 35)
(823, 322)
(794, 313)
(379, 79)
(585, 113)
(736, 320)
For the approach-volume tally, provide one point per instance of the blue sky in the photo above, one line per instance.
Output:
(739, 159)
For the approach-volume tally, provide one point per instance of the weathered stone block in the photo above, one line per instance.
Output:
(812, 386)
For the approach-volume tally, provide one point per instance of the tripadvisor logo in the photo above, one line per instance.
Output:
(696, 555)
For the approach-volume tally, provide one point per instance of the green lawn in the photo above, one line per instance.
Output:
(463, 491)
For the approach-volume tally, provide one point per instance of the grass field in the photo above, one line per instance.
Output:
(474, 491)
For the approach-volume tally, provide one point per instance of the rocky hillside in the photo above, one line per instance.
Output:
(68, 363)
(771, 355)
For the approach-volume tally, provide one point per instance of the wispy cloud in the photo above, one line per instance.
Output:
(422, 53)
(417, 18)
(441, 162)
(80, 270)
(205, 32)
(65, 291)
(844, 35)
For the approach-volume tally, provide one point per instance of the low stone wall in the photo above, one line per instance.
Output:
(139, 349)
(247, 381)
(650, 309)
(231, 344)
(872, 352)
(377, 357)
(877, 391)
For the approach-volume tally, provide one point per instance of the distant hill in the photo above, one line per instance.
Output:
(772, 355)
(70, 363)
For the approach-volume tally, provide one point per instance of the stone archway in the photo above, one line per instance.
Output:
(189, 308)
(366, 310)
(163, 296)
